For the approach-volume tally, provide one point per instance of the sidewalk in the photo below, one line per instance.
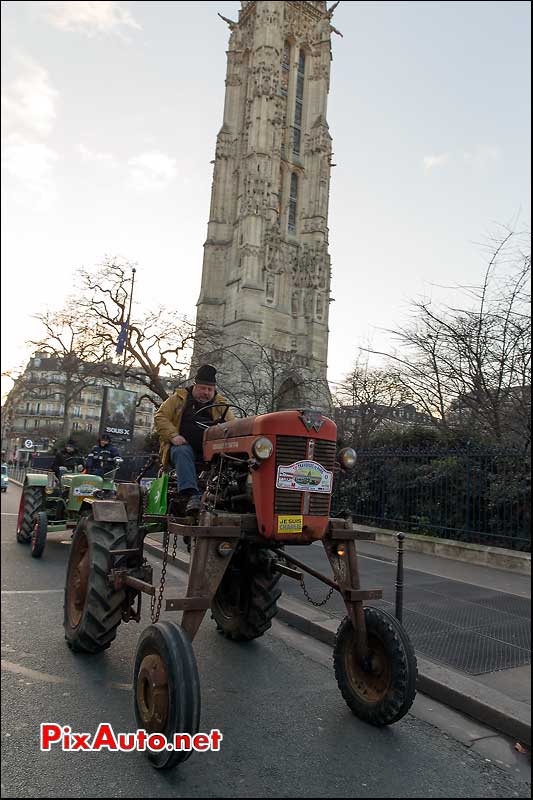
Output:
(470, 626)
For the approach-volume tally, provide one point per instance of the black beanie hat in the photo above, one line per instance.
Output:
(207, 375)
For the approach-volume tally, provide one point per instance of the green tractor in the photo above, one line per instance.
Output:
(50, 505)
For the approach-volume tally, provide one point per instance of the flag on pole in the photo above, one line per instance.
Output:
(121, 343)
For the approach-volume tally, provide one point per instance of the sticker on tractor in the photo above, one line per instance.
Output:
(84, 490)
(304, 476)
(290, 524)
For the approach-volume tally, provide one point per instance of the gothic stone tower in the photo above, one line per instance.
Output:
(266, 269)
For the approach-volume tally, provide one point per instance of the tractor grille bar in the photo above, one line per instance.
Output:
(294, 448)
(325, 453)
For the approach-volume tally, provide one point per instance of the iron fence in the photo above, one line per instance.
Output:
(482, 497)
(17, 473)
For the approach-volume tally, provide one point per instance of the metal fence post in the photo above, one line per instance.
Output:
(399, 577)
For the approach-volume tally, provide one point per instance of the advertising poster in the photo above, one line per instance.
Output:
(118, 414)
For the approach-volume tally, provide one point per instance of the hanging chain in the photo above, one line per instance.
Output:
(324, 601)
(155, 612)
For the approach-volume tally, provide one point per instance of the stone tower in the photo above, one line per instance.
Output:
(265, 289)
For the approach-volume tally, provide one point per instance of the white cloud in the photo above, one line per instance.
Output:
(152, 171)
(91, 155)
(31, 165)
(29, 101)
(430, 162)
(90, 18)
(482, 156)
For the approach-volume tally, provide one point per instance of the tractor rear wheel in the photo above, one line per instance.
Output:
(166, 689)
(380, 691)
(246, 600)
(92, 608)
(31, 502)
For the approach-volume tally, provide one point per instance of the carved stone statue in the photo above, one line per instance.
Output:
(270, 287)
(308, 303)
(230, 22)
(295, 303)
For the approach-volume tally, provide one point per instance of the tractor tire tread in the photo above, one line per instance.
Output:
(103, 609)
(33, 503)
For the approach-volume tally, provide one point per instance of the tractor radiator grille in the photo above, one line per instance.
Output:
(294, 448)
(325, 453)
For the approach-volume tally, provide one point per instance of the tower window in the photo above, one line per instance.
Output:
(298, 107)
(293, 203)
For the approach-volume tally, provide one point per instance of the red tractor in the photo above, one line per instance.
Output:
(268, 482)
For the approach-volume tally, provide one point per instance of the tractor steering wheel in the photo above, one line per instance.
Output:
(225, 406)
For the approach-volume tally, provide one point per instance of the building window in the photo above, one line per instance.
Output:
(90, 427)
(24, 424)
(298, 108)
(293, 203)
(36, 423)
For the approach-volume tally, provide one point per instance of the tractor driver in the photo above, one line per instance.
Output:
(181, 437)
(102, 456)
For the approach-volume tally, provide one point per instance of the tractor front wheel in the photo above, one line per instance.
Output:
(166, 689)
(38, 537)
(246, 600)
(381, 688)
(92, 607)
(31, 502)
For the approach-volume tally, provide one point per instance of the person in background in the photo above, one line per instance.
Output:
(102, 457)
(66, 457)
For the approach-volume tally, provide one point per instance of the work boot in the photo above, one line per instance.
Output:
(194, 504)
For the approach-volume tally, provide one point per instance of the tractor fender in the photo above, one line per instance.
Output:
(36, 479)
(108, 510)
(130, 495)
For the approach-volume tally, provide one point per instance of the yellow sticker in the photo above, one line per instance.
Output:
(290, 524)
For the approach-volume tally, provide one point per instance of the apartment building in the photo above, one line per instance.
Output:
(33, 413)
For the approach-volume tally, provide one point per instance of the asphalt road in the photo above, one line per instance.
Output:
(287, 731)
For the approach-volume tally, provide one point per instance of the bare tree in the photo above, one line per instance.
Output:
(470, 365)
(365, 400)
(159, 345)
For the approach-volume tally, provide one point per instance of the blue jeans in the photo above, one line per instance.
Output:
(183, 459)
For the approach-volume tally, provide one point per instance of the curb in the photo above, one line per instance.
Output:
(467, 552)
(488, 706)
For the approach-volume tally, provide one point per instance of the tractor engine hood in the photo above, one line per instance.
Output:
(295, 422)
(234, 427)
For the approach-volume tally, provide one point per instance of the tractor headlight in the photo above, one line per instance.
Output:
(262, 448)
(347, 457)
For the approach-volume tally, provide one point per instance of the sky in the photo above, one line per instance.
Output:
(110, 112)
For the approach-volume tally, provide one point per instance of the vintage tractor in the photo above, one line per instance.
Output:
(49, 505)
(268, 483)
